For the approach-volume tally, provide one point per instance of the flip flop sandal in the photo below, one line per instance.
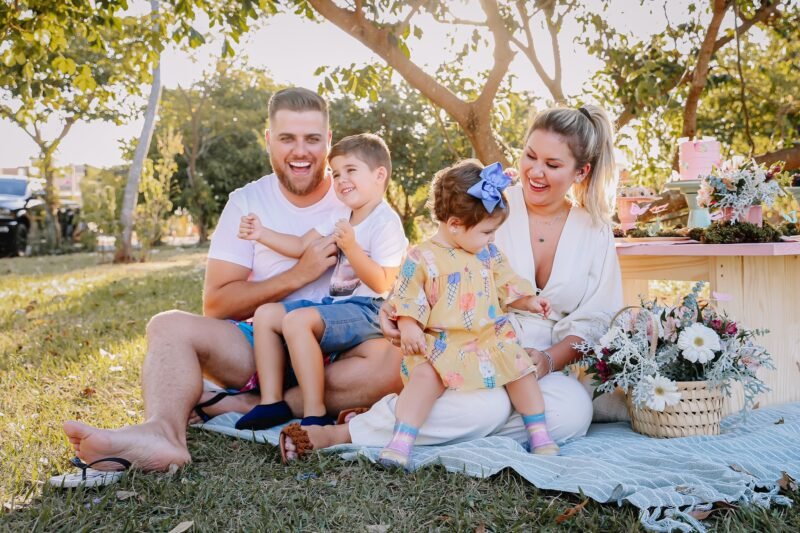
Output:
(299, 437)
(198, 409)
(88, 476)
(346, 415)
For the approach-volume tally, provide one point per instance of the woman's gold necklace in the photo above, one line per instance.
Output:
(550, 223)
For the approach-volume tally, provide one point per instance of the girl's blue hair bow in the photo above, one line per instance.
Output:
(490, 189)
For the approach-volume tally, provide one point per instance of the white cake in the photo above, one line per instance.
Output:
(697, 158)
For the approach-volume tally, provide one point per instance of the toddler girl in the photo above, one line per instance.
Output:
(450, 299)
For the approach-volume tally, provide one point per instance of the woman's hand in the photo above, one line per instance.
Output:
(388, 320)
(541, 362)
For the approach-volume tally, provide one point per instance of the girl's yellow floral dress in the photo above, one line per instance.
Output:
(460, 300)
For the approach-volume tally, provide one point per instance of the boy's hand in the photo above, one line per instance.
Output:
(412, 340)
(345, 235)
(250, 227)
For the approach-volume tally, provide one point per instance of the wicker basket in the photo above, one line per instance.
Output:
(698, 413)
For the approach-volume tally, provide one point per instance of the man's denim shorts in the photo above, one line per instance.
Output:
(348, 322)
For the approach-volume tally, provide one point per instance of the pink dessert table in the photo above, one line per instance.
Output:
(757, 284)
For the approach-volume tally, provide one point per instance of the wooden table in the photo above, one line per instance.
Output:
(762, 282)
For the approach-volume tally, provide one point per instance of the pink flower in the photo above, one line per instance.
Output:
(671, 329)
(731, 328)
(750, 363)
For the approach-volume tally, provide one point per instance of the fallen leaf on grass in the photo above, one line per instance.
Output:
(481, 529)
(725, 505)
(88, 392)
(737, 468)
(125, 494)
(787, 483)
(183, 526)
(569, 513)
(700, 515)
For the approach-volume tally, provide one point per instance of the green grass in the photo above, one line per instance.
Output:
(71, 347)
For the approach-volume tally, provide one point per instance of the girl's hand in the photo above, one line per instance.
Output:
(540, 305)
(533, 304)
(388, 320)
(412, 341)
(541, 362)
(345, 235)
(250, 227)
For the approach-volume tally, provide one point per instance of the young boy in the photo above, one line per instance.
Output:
(371, 244)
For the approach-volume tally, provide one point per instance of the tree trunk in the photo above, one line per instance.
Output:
(124, 252)
(700, 73)
(52, 227)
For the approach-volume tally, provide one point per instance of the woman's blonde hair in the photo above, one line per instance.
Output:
(590, 137)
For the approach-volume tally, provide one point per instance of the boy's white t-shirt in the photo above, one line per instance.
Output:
(380, 235)
(264, 198)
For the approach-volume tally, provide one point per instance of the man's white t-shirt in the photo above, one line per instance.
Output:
(380, 235)
(264, 198)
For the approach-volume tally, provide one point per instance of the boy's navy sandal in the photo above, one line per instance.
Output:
(265, 416)
(318, 421)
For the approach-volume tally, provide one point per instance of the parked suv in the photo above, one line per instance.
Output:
(22, 213)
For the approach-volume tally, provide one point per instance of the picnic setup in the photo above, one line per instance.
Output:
(400, 265)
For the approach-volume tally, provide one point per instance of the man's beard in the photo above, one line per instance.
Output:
(316, 179)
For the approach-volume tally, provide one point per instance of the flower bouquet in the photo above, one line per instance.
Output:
(738, 189)
(676, 365)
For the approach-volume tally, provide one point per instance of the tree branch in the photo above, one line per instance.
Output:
(379, 41)
(767, 9)
(790, 156)
(502, 58)
(699, 75)
(414, 9)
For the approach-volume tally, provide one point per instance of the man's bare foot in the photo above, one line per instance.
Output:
(148, 446)
(320, 437)
(230, 404)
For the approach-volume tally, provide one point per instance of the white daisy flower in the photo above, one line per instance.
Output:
(698, 343)
(610, 335)
(663, 392)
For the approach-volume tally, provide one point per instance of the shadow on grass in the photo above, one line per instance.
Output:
(116, 310)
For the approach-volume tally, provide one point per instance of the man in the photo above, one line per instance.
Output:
(240, 276)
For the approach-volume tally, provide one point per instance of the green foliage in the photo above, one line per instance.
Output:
(649, 79)
(221, 120)
(155, 187)
(63, 313)
(721, 232)
(101, 191)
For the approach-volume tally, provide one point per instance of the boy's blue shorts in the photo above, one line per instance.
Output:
(348, 322)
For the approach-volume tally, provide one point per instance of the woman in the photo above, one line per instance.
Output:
(566, 249)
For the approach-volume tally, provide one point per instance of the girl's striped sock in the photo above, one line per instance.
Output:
(398, 451)
(538, 438)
